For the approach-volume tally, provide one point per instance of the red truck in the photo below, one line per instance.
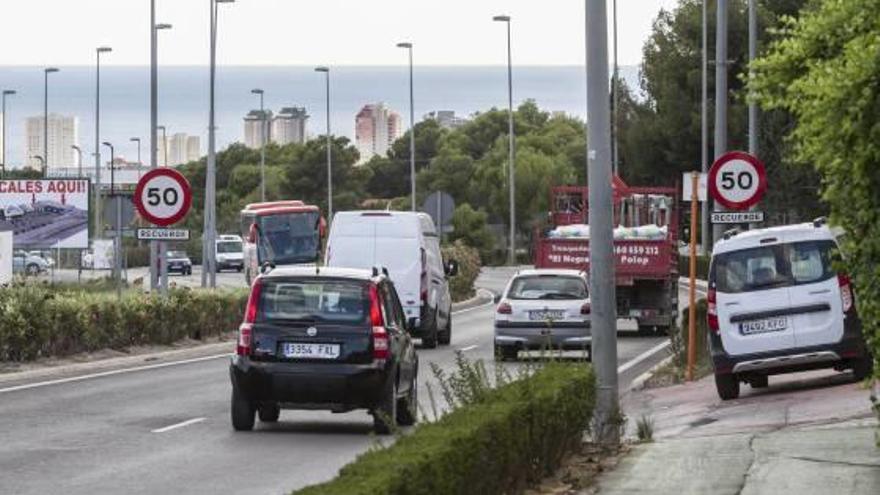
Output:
(645, 248)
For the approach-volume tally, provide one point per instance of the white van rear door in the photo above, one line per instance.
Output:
(815, 294)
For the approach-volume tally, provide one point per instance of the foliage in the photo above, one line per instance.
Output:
(684, 267)
(469, 226)
(645, 429)
(825, 70)
(468, 258)
(38, 321)
(498, 443)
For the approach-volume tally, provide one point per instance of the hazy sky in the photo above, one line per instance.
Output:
(294, 32)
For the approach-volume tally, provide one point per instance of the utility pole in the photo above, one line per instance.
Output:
(615, 99)
(704, 117)
(412, 126)
(599, 177)
(720, 97)
(326, 71)
(154, 138)
(3, 95)
(753, 107)
(511, 153)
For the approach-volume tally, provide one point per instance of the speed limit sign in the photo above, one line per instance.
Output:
(163, 196)
(737, 180)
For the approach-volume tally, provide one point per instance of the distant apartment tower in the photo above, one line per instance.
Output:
(289, 126)
(181, 148)
(447, 119)
(257, 127)
(376, 129)
(63, 134)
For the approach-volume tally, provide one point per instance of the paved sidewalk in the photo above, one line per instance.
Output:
(807, 433)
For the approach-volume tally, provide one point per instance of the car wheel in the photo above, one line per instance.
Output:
(385, 414)
(506, 353)
(445, 338)
(429, 341)
(239, 269)
(242, 412)
(762, 381)
(647, 330)
(863, 367)
(32, 270)
(727, 385)
(408, 407)
(269, 413)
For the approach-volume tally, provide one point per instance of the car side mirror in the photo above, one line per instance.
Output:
(412, 324)
(267, 267)
(497, 298)
(452, 268)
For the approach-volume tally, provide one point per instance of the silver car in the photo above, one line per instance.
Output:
(28, 264)
(542, 310)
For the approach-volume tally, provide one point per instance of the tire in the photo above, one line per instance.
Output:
(506, 353)
(408, 407)
(269, 413)
(727, 386)
(762, 381)
(646, 330)
(242, 412)
(32, 270)
(429, 341)
(385, 413)
(445, 337)
(863, 367)
(239, 269)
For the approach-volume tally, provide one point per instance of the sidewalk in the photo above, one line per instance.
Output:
(807, 433)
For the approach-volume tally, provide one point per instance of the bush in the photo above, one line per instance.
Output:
(516, 435)
(684, 266)
(38, 321)
(469, 226)
(468, 258)
(680, 337)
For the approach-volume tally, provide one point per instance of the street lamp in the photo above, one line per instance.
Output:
(209, 277)
(155, 248)
(164, 145)
(412, 126)
(79, 161)
(42, 162)
(260, 92)
(5, 93)
(117, 254)
(511, 255)
(46, 72)
(99, 224)
(138, 141)
(326, 71)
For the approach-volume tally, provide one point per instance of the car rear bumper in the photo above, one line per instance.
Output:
(179, 268)
(534, 336)
(236, 264)
(336, 387)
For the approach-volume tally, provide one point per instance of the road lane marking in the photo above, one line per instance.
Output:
(643, 356)
(481, 306)
(179, 425)
(468, 348)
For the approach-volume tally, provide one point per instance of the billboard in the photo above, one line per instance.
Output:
(46, 213)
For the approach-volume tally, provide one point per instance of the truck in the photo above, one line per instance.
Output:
(645, 248)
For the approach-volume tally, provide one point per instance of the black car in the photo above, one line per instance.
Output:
(179, 262)
(324, 339)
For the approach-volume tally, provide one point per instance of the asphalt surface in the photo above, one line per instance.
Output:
(167, 430)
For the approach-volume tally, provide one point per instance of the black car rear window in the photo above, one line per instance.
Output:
(770, 267)
(319, 300)
(548, 287)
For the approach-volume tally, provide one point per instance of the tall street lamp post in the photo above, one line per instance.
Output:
(412, 126)
(164, 144)
(260, 93)
(46, 72)
(511, 255)
(99, 223)
(5, 93)
(326, 71)
(79, 161)
(155, 247)
(117, 234)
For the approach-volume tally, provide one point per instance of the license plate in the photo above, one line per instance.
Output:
(763, 326)
(546, 315)
(296, 350)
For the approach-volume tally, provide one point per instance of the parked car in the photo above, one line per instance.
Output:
(46, 257)
(543, 309)
(28, 264)
(229, 253)
(179, 262)
(777, 305)
(334, 339)
(405, 243)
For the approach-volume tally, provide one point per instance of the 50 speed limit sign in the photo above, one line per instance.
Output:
(163, 196)
(737, 180)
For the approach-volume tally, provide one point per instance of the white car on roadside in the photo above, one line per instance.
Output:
(542, 310)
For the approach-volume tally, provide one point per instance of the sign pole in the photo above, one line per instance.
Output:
(692, 289)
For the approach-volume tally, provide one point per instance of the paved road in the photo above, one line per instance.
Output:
(111, 434)
(224, 279)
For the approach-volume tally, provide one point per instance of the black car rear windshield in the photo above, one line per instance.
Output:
(547, 287)
(770, 267)
(314, 300)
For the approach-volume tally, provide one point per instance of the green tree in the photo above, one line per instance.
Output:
(469, 226)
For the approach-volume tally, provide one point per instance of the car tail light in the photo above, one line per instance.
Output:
(505, 309)
(712, 311)
(846, 292)
(245, 331)
(245, 334)
(379, 334)
(585, 309)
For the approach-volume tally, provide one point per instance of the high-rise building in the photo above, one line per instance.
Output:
(289, 126)
(193, 148)
(63, 134)
(181, 148)
(376, 129)
(447, 119)
(255, 131)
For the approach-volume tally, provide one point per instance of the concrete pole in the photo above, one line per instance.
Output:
(704, 145)
(5, 93)
(511, 159)
(753, 107)
(329, 155)
(599, 177)
(615, 99)
(720, 97)
(154, 131)
(99, 217)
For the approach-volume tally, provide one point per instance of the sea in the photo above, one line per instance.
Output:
(183, 97)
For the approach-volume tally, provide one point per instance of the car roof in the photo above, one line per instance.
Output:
(312, 272)
(784, 233)
(562, 272)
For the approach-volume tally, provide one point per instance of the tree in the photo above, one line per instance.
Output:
(469, 226)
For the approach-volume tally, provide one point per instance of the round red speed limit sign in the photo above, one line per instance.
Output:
(737, 180)
(163, 196)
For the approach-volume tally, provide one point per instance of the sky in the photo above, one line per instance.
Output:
(313, 32)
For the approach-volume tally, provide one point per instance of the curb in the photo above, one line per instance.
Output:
(483, 296)
(639, 382)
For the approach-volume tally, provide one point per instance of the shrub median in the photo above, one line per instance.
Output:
(516, 435)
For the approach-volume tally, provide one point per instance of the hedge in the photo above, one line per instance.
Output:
(516, 436)
(40, 321)
(468, 258)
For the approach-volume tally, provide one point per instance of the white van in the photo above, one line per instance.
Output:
(406, 244)
(229, 253)
(776, 305)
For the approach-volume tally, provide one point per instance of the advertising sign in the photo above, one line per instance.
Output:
(46, 214)
(631, 257)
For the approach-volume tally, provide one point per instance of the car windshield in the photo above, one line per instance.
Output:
(770, 267)
(548, 287)
(229, 247)
(176, 254)
(314, 300)
(288, 238)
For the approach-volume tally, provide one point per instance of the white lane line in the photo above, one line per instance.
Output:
(468, 348)
(643, 356)
(110, 373)
(179, 425)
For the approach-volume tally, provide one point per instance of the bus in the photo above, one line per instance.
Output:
(280, 233)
